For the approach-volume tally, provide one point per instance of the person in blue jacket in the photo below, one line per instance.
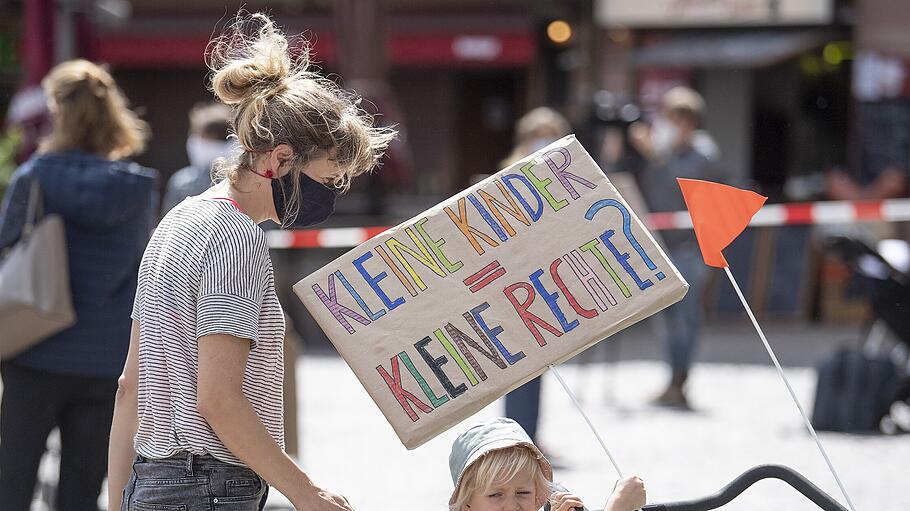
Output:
(109, 207)
(210, 125)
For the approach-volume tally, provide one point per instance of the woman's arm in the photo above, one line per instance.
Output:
(14, 207)
(120, 452)
(220, 400)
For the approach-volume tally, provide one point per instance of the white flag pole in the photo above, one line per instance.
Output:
(783, 377)
(587, 420)
(583, 414)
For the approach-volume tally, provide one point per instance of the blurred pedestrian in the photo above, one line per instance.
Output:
(205, 365)
(108, 206)
(674, 147)
(207, 142)
(535, 130)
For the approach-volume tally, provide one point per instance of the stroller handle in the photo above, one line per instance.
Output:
(747, 479)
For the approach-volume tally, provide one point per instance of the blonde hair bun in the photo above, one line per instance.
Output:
(249, 62)
(276, 99)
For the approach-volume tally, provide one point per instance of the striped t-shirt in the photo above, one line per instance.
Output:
(205, 271)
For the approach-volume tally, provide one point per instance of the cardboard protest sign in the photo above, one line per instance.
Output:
(450, 310)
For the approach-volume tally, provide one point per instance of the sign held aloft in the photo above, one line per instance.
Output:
(450, 310)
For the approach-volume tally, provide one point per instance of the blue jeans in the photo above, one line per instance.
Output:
(188, 482)
(523, 406)
(681, 322)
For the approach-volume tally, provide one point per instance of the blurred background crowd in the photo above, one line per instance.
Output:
(800, 100)
(804, 99)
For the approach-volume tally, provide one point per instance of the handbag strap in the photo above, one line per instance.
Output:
(35, 208)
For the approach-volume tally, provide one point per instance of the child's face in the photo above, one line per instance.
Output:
(519, 494)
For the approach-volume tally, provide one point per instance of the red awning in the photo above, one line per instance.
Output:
(512, 48)
(501, 49)
(146, 50)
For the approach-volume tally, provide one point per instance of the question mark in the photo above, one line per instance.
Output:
(623, 258)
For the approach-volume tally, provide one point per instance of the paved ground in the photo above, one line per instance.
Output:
(743, 418)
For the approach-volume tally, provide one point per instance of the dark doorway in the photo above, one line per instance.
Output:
(163, 98)
(487, 105)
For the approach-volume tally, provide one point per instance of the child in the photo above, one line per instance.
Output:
(496, 467)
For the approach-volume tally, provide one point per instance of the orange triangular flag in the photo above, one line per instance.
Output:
(719, 213)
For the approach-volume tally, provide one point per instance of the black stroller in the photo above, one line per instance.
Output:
(747, 479)
(886, 287)
(742, 483)
(858, 385)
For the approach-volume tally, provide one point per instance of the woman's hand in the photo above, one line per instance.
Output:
(322, 500)
(628, 495)
(565, 501)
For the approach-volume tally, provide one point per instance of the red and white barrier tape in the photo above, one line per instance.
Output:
(828, 212)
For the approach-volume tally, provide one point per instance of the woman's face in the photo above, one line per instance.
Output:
(519, 494)
(323, 169)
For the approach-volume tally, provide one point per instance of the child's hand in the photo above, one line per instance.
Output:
(565, 501)
(628, 495)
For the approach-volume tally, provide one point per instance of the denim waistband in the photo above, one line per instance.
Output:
(198, 478)
(189, 461)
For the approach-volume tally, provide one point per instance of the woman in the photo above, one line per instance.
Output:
(535, 130)
(200, 396)
(108, 206)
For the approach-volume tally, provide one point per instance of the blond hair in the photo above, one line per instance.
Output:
(277, 99)
(684, 101)
(540, 119)
(500, 467)
(537, 122)
(91, 113)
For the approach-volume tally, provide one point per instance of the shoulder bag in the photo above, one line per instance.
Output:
(35, 299)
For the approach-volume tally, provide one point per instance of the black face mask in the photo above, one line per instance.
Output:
(317, 201)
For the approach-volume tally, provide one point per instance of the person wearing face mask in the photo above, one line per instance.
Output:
(674, 147)
(206, 144)
(535, 130)
(198, 420)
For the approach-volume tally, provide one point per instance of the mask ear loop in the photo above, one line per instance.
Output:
(284, 199)
(298, 202)
(249, 165)
(268, 174)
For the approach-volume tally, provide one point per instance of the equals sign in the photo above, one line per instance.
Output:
(482, 278)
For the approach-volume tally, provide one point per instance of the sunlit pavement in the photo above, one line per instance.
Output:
(743, 417)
